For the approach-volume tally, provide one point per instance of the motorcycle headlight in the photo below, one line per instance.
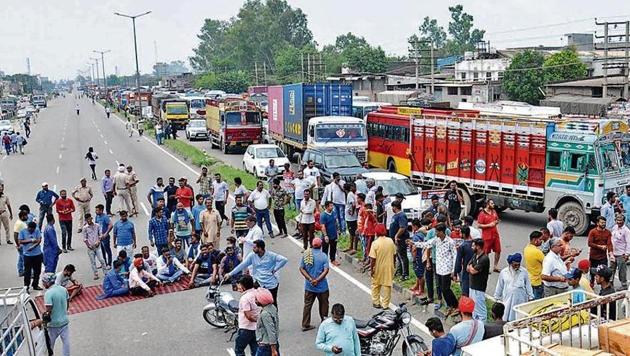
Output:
(405, 318)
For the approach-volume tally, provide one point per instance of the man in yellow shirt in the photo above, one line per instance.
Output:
(382, 266)
(533, 262)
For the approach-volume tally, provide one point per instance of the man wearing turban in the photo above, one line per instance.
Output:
(513, 286)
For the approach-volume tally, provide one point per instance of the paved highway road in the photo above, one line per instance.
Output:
(170, 322)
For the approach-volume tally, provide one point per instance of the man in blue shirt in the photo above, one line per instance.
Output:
(46, 198)
(608, 210)
(328, 220)
(265, 265)
(114, 284)
(158, 231)
(156, 192)
(30, 240)
(625, 202)
(398, 232)
(338, 335)
(196, 212)
(105, 222)
(314, 267)
(107, 187)
(443, 344)
(124, 234)
(573, 279)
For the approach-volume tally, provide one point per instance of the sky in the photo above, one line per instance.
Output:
(60, 36)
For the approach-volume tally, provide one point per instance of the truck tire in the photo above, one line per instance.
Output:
(470, 204)
(572, 214)
(224, 147)
(213, 143)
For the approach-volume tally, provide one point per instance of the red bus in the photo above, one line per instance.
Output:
(389, 138)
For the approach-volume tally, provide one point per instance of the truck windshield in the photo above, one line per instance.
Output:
(339, 132)
(610, 159)
(177, 109)
(342, 161)
(245, 118)
(197, 103)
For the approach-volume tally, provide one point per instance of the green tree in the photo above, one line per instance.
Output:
(564, 65)
(463, 36)
(430, 32)
(356, 53)
(113, 80)
(211, 42)
(525, 76)
(230, 82)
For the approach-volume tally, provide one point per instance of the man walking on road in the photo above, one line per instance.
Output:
(124, 234)
(314, 267)
(220, 193)
(107, 187)
(487, 222)
(6, 214)
(92, 239)
(121, 190)
(83, 195)
(338, 335)
(265, 265)
(307, 221)
(382, 256)
(65, 208)
(56, 314)
(46, 198)
(132, 185)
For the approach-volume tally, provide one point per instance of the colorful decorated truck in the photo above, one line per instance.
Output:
(233, 123)
(524, 163)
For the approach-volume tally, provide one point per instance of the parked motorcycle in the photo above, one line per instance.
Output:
(221, 310)
(380, 335)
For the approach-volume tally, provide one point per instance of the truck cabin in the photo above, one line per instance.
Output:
(240, 113)
(174, 107)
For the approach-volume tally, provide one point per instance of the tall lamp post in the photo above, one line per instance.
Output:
(135, 47)
(98, 83)
(103, 64)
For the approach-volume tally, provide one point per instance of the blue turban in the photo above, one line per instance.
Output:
(517, 257)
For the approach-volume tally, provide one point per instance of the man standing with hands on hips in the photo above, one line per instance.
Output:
(487, 221)
(83, 195)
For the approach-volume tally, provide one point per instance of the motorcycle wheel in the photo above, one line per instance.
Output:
(414, 348)
(214, 318)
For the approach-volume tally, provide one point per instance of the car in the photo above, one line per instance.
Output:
(393, 183)
(256, 159)
(331, 160)
(6, 126)
(196, 129)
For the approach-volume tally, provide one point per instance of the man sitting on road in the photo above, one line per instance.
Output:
(114, 285)
(178, 251)
(150, 260)
(169, 269)
(228, 262)
(65, 279)
(206, 268)
(137, 277)
(125, 263)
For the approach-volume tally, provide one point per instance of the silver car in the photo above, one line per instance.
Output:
(196, 130)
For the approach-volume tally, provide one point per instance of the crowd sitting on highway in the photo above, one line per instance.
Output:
(183, 238)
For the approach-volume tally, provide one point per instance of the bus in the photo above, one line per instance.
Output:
(197, 105)
(389, 138)
(360, 109)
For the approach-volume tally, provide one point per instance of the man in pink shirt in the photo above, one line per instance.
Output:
(248, 313)
(621, 249)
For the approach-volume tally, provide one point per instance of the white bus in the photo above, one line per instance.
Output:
(360, 109)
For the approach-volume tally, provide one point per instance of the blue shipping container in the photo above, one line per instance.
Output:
(304, 101)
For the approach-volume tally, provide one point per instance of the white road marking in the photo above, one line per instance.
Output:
(111, 152)
(102, 136)
(5, 157)
(231, 352)
(60, 155)
(55, 188)
(117, 163)
(144, 207)
(57, 169)
(105, 142)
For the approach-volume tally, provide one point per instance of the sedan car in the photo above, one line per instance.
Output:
(256, 159)
(6, 126)
(393, 183)
(196, 129)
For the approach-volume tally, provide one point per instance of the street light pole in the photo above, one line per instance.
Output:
(135, 47)
(98, 84)
(103, 64)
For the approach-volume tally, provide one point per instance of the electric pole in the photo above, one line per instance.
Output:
(612, 32)
(98, 80)
(103, 64)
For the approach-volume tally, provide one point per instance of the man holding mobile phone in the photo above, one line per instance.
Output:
(338, 335)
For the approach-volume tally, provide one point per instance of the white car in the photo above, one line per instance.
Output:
(6, 126)
(196, 129)
(256, 159)
(393, 183)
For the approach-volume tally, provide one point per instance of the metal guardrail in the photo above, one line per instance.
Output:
(576, 326)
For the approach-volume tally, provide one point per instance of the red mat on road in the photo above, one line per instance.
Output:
(86, 301)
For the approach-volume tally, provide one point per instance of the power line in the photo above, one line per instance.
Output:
(554, 24)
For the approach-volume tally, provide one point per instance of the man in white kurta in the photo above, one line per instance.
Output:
(513, 286)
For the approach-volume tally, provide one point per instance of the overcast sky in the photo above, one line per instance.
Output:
(59, 36)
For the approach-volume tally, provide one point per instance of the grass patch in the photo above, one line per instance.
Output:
(343, 242)
(290, 212)
(228, 173)
(192, 153)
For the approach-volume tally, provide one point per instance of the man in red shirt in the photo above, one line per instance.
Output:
(65, 208)
(487, 221)
(184, 194)
(600, 245)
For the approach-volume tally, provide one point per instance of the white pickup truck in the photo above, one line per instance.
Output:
(20, 321)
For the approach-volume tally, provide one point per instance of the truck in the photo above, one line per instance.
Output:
(145, 100)
(556, 326)
(233, 123)
(170, 108)
(23, 333)
(317, 116)
(197, 105)
(39, 100)
(524, 163)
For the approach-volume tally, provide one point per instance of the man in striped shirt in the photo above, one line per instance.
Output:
(240, 213)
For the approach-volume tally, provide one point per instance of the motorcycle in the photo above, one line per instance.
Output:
(380, 335)
(222, 309)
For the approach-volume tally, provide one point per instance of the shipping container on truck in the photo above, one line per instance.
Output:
(315, 116)
(523, 163)
(233, 123)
